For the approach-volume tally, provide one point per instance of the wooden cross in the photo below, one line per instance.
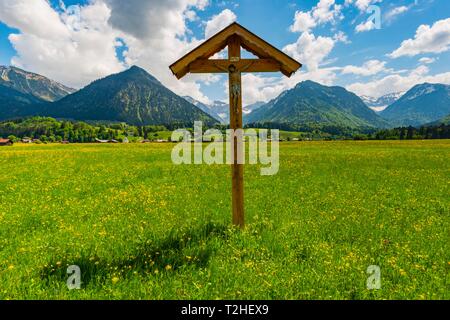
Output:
(270, 59)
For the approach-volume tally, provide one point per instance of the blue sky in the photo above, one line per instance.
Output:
(75, 42)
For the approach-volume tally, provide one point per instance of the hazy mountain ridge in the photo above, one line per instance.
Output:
(204, 108)
(445, 120)
(221, 110)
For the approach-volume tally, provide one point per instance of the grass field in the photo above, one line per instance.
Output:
(142, 228)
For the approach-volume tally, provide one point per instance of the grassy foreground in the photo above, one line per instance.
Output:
(142, 228)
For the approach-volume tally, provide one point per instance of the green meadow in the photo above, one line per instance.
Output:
(140, 227)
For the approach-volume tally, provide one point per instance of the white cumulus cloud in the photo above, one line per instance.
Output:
(74, 47)
(428, 39)
(326, 11)
(257, 88)
(369, 68)
(365, 26)
(218, 22)
(427, 60)
(303, 21)
(362, 5)
(310, 50)
(394, 12)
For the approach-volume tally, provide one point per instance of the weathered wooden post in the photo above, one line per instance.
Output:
(235, 93)
(270, 60)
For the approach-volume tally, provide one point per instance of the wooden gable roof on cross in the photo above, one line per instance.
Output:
(270, 58)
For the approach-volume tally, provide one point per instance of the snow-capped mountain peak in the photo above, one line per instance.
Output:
(381, 103)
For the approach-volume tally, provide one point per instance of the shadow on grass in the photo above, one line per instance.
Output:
(155, 256)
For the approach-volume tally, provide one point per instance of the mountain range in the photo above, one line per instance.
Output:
(136, 97)
(311, 105)
(422, 104)
(133, 96)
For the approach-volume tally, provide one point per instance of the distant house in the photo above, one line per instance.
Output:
(125, 140)
(6, 142)
(27, 140)
(113, 141)
(145, 141)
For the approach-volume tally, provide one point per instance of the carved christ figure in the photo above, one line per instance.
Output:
(235, 81)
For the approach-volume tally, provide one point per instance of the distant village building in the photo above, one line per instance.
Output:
(125, 140)
(27, 140)
(6, 142)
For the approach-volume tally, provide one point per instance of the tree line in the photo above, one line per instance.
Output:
(441, 131)
(48, 129)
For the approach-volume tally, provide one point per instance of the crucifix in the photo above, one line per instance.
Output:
(270, 59)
